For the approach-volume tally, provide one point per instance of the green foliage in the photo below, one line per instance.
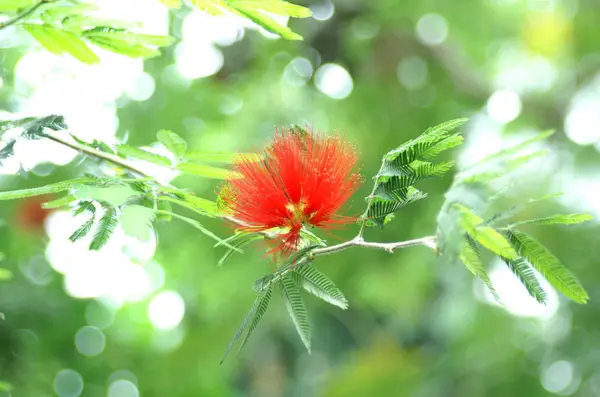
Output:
(31, 128)
(127, 43)
(407, 165)
(237, 242)
(206, 171)
(216, 157)
(43, 190)
(59, 41)
(519, 251)
(105, 227)
(87, 225)
(560, 219)
(548, 265)
(470, 257)
(256, 11)
(485, 235)
(140, 154)
(296, 309)
(173, 142)
(258, 309)
(320, 286)
(60, 202)
(67, 29)
(527, 277)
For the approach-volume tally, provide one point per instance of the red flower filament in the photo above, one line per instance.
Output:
(302, 179)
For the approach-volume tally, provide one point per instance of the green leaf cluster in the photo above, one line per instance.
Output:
(407, 165)
(463, 233)
(258, 11)
(294, 275)
(70, 28)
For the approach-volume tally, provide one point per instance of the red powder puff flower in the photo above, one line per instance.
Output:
(303, 178)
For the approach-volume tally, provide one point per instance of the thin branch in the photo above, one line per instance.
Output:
(96, 153)
(25, 14)
(358, 241)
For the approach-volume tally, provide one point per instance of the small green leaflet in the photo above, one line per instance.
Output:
(60, 202)
(197, 204)
(222, 157)
(548, 265)
(239, 242)
(320, 286)
(527, 277)
(173, 142)
(83, 230)
(105, 228)
(130, 151)
(267, 23)
(516, 148)
(127, 43)
(198, 226)
(485, 235)
(258, 12)
(85, 206)
(295, 306)
(48, 189)
(278, 7)
(407, 165)
(568, 219)
(206, 171)
(258, 309)
(469, 256)
(61, 41)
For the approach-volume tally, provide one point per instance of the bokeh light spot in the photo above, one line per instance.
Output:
(412, 72)
(558, 377)
(90, 341)
(166, 310)
(334, 81)
(123, 388)
(141, 88)
(432, 29)
(68, 383)
(195, 61)
(323, 10)
(504, 106)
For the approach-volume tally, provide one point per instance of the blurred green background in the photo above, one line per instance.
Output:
(152, 318)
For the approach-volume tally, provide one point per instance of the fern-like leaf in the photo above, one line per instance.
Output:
(548, 265)
(560, 219)
(485, 235)
(83, 230)
(295, 306)
(470, 257)
(320, 286)
(264, 298)
(106, 226)
(242, 328)
(527, 277)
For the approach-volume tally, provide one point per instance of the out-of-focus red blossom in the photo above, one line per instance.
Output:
(30, 215)
(304, 178)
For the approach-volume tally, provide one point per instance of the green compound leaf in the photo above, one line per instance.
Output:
(320, 286)
(296, 309)
(548, 265)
